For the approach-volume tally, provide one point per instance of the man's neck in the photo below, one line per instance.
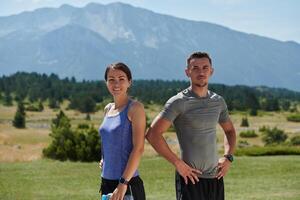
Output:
(200, 91)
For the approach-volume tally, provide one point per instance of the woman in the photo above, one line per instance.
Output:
(122, 132)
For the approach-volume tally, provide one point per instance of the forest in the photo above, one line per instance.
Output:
(88, 96)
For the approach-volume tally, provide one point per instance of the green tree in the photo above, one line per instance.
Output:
(7, 99)
(58, 121)
(244, 122)
(270, 104)
(53, 103)
(285, 105)
(40, 106)
(19, 119)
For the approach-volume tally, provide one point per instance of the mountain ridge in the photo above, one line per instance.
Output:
(84, 40)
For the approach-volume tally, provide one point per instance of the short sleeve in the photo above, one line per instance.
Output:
(173, 107)
(224, 115)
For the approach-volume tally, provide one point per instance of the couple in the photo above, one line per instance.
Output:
(195, 112)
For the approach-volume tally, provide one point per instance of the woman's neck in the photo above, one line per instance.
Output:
(120, 101)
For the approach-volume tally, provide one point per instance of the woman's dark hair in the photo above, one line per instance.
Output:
(119, 66)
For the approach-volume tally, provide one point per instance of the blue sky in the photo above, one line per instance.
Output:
(278, 19)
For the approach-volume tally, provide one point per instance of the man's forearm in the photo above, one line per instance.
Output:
(229, 142)
(160, 145)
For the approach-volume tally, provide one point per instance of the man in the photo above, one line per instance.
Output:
(195, 113)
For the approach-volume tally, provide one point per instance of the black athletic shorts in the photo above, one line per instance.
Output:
(205, 189)
(136, 184)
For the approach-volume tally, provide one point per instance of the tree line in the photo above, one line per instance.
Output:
(85, 95)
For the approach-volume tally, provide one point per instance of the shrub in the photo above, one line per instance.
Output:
(148, 121)
(253, 112)
(295, 140)
(248, 134)
(244, 122)
(274, 136)
(263, 128)
(294, 117)
(83, 126)
(243, 144)
(32, 108)
(75, 145)
(268, 151)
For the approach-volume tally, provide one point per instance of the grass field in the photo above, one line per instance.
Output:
(27, 144)
(250, 178)
(24, 174)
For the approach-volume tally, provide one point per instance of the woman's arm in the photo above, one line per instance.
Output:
(137, 116)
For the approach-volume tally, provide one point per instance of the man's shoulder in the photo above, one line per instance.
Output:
(180, 96)
(215, 96)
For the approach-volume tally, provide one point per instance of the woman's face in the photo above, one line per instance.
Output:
(117, 82)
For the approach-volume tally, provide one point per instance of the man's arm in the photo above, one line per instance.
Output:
(229, 147)
(155, 137)
(229, 137)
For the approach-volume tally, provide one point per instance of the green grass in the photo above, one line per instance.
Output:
(259, 178)
(268, 151)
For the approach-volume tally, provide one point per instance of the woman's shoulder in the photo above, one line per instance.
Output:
(136, 109)
(107, 107)
(136, 105)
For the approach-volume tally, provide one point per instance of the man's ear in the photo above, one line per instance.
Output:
(212, 71)
(187, 72)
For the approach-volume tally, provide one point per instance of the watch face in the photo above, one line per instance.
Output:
(229, 157)
(123, 181)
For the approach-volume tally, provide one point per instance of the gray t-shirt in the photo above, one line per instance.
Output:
(195, 119)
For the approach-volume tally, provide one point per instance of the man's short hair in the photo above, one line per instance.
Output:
(198, 55)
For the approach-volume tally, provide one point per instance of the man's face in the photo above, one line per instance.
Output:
(199, 71)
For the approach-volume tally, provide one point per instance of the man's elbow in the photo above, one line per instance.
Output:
(150, 135)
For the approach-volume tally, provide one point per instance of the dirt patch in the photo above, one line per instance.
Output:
(21, 152)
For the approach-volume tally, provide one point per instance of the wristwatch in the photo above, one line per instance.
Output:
(229, 157)
(123, 181)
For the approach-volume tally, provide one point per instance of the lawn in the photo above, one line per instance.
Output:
(25, 175)
(259, 178)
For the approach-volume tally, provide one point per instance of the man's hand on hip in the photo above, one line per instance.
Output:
(223, 167)
(187, 172)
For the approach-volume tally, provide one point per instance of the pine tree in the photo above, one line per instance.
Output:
(57, 122)
(19, 120)
(244, 122)
(8, 99)
(40, 106)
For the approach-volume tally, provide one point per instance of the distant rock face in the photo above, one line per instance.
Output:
(80, 42)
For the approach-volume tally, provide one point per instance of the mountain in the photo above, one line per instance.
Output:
(81, 42)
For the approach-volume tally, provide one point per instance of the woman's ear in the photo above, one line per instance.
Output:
(130, 83)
